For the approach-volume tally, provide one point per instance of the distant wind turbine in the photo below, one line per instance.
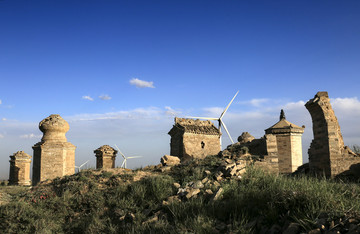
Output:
(123, 165)
(220, 121)
(79, 167)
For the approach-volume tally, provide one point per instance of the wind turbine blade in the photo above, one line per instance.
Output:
(227, 107)
(224, 126)
(122, 165)
(135, 157)
(84, 163)
(120, 151)
(209, 118)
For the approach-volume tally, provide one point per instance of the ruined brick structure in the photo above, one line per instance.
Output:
(194, 139)
(279, 151)
(20, 169)
(105, 157)
(327, 153)
(289, 144)
(54, 156)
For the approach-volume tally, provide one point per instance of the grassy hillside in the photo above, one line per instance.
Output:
(181, 199)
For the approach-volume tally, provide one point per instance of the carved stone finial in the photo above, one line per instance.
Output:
(282, 114)
(54, 128)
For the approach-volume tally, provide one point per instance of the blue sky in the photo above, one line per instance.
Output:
(119, 71)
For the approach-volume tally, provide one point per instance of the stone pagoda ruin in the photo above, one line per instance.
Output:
(20, 169)
(279, 150)
(289, 144)
(327, 153)
(194, 139)
(54, 156)
(105, 157)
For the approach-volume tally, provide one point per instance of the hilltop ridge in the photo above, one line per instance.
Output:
(198, 196)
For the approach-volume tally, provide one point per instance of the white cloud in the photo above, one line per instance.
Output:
(171, 112)
(30, 136)
(347, 105)
(2, 136)
(138, 113)
(141, 83)
(105, 97)
(3, 119)
(87, 98)
(0, 102)
(213, 111)
(256, 102)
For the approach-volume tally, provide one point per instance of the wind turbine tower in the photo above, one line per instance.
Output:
(123, 165)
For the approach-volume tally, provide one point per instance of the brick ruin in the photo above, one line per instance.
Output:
(54, 156)
(105, 157)
(327, 152)
(279, 151)
(194, 139)
(20, 169)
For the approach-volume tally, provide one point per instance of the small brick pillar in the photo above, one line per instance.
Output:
(20, 169)
(105, 157)
(54, 156)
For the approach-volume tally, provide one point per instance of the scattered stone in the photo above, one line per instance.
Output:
(229, 161)
(207, 172)
(153, 219)
(216, 184)
(205, 180)
(177, 185)
(181, 192)
(166, 168)
(168, 160)
(192, 193)
(217, 195)
(209, 192)
(218, 176)
(198, 185)
(173, 199)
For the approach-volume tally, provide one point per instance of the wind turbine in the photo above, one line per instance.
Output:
(79, 167)
(220, 121)
(123, 165)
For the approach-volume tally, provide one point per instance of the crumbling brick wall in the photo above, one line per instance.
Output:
(327, 153)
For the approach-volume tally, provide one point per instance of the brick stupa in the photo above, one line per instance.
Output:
(20, 169)
(54, 156)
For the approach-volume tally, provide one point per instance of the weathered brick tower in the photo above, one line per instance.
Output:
(54, 156)
(20, 169)
(289, 144)
(194, 139)
(105, 157)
